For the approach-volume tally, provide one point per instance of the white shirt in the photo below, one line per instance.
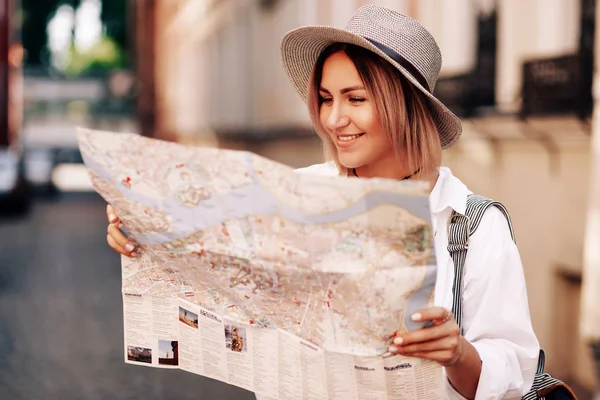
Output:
(496, 316)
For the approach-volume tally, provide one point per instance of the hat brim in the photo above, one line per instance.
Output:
(301, 47)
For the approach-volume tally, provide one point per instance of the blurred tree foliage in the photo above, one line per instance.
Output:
(106, 54)
(36, 14)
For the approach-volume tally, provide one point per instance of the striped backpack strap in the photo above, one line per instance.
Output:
(460, 229)
(543, 383)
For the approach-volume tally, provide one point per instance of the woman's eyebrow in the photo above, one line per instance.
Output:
(352, 88)
(344, 90)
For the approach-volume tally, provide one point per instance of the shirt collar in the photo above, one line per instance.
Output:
(448, 191)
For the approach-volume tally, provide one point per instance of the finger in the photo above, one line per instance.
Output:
(435, 314)
(111, 215)
(435, 332)
(116, 246)
(120, 238)
(445, 343)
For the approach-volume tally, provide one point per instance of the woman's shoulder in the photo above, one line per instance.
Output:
(493, 228)
(325, 169)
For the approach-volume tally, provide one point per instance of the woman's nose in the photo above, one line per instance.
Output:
(337, 121)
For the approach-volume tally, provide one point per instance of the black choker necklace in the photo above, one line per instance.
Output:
(405, 178)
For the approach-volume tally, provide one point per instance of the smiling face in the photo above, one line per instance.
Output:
(370, 117)
(349, 117)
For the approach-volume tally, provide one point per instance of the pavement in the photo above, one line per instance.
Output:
(61, 330)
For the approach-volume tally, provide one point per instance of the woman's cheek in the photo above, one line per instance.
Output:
(366, 120)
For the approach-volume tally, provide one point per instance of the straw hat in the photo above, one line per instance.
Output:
(399, 39)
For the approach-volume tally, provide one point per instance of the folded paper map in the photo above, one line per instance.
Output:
(283, 283)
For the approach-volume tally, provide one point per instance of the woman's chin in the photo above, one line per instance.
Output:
(350, 163)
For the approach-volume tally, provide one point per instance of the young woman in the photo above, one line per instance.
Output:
(369, 93)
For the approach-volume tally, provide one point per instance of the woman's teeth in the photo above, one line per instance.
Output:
(345, 138)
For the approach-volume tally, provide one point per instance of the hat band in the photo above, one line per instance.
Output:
(402, 61)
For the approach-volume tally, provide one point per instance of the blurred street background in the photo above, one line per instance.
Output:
(521, 75)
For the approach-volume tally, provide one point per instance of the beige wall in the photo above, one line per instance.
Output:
(590, 321)
(179, 109)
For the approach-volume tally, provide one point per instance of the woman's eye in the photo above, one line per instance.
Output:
(326, 100)
(357, 99)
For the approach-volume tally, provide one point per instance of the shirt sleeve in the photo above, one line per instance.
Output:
(496, 317)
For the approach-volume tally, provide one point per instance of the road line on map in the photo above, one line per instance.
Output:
(305, 309)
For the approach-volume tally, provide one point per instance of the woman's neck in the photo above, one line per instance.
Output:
(393, 171)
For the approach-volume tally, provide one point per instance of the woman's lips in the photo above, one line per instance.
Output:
(345, 141)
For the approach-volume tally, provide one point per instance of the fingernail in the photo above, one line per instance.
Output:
(398, 340)
(416, 317)
(393, 349)
(113, 218)
(129, 247)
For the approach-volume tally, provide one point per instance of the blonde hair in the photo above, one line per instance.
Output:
(402, 110)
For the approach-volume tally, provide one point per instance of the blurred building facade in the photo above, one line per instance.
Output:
(519, 73)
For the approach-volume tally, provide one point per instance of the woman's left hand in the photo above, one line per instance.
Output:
(439, 342)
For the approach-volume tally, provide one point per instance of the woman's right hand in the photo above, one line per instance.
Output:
(115, 238)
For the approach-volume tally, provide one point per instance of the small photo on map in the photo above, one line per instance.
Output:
(235, 338)
(139, 354)
(168, 352)
(189, 318)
